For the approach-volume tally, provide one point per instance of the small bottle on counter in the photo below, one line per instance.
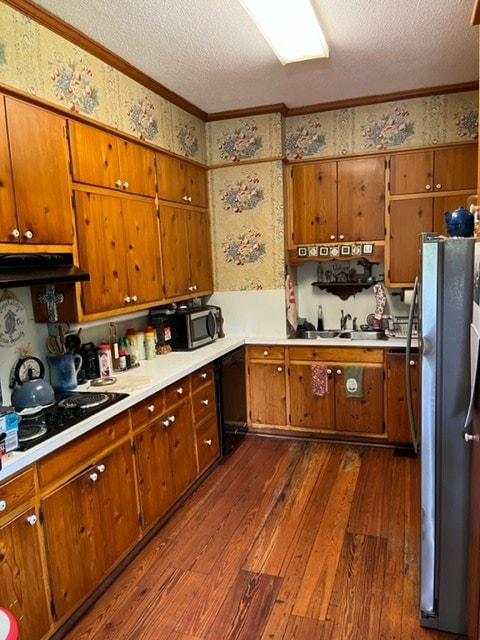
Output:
(122, 355)
(113, 340)
(105, 360)
(132, 346)
(141, 345)
(149, 343)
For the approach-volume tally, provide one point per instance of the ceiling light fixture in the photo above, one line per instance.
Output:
(291, 28)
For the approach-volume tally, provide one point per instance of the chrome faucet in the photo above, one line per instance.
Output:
(343, 320)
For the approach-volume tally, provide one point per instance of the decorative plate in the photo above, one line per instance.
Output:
(13, 322)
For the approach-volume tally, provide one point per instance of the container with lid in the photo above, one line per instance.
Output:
(149, 343)
(105, 360)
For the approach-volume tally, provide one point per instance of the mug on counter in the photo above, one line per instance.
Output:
(63, 371)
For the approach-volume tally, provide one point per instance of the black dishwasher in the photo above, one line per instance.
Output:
(232, 401)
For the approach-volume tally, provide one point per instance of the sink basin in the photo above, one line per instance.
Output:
(363, 335)
(316, 335)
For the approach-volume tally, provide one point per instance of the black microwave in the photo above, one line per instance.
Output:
(193, 327)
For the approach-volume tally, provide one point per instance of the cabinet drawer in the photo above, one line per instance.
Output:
(16, 491)
(203, 402)
(271, 352)
(148, 409)
(335, 354)
(176, 392)
(208, 445)
(203, 376)
(81, 451)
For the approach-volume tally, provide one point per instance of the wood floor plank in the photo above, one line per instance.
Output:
(306, 629)
(313, 597)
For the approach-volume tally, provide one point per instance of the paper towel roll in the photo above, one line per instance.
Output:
(408, 296)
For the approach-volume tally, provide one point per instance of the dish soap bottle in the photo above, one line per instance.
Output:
(149, 343)
(320, 326)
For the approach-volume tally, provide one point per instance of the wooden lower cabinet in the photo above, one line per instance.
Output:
(267, 400)
(23, 581)
(397, 419)
(90, 522)
(333, 404)
(166, 461)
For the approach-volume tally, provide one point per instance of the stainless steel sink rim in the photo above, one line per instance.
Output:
(336, 333)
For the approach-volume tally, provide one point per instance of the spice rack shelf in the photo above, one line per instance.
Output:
(343, 290)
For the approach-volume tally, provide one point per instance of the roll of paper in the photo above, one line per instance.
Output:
(408, 296)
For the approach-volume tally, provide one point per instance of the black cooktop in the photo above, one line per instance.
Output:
(69, 409)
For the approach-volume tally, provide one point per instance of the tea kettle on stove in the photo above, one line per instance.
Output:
(29, 389)
(460, 223)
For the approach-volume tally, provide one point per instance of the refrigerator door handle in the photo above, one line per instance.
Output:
(408, 375)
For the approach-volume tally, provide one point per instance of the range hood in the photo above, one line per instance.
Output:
(24, 269)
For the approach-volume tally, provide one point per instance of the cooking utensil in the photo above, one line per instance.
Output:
(72, 342)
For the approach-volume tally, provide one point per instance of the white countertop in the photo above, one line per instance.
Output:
(153, 375)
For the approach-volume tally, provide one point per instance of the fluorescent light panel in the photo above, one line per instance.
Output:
(290, 27)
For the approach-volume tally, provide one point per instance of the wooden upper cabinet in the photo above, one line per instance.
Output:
(35, 190)
(447, 169)
(338, 201)
(181, 181)
(361, 199)
(314, 202)
(186, 251)
(119, 245)
(104, 159)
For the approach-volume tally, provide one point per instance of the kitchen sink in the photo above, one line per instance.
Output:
(316, 335)
(363, 335)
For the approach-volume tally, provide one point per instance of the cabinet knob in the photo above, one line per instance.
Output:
(279, 369)
(180, 391)
(32, 519)
(171, 418)
(341, 236)
(203, 376)
(118, 183)
(205, 402)
(265, 353)
(428, 187)
(332, 237)
(329, 372)
(125, 185)
(28, 235)
(3, 505)
(166, 423)
(438, 186)
(470, 437)
(151, 408)
(93, 477)
(193, 287)
(189, 198)
(101, 468)
(339, 372)
(209, 442)
(15, 233)
(185, 198)
(128, 299)
(134, 298)
(412, 363)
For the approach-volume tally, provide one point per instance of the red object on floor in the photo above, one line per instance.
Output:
(8, 625)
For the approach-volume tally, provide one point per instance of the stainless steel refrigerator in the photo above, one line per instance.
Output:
(445, 296)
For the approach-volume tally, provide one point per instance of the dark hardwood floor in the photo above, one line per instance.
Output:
(286, 540)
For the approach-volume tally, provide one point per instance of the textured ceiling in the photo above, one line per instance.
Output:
(210, 53)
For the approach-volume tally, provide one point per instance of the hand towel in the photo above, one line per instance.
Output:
(353, 377)
(291, 302)
(319, 380)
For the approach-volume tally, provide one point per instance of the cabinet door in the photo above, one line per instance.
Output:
(40, 166)
(411, 172)
(200, 251)
(175, 250)
(181, 181)
(101, 245)
(22, 582)
(398, 423)
(314, 202)
(441, 204)
(182, 446)
(90, 522)
(142, 251)
(103, 159)
(267, 393)
(306, 408)
(361, 199)
(456, 168)
(408, 218)
(8, 217)
(360, 414)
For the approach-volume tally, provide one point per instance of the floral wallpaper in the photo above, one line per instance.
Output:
(39, 62)
(247, 223)
(387, 126)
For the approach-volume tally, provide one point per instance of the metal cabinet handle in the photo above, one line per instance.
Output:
(3, 505)
(32, 519)
(28, 234)
(93, 477)
(470, 437)
(15, 233)
(205, 402)
(151, 408)
(209, 442)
